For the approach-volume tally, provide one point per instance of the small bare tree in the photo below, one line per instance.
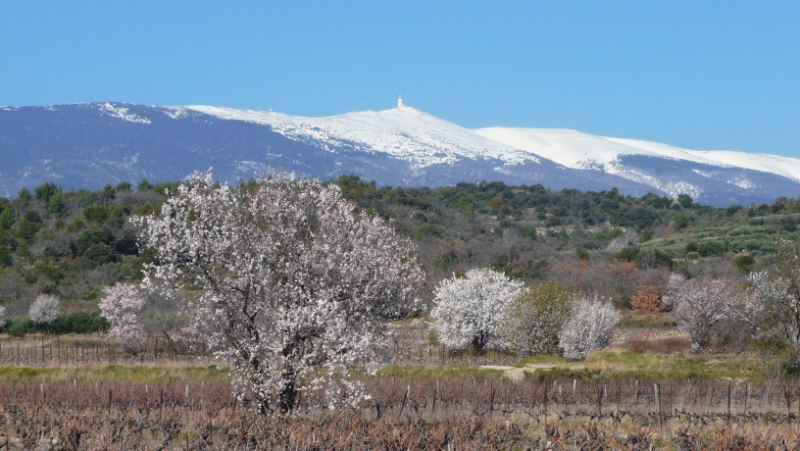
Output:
(471, 311)
(45, 310)
(701, 304)
(293, 283)
(589, 327)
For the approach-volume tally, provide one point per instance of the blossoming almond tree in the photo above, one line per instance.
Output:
(589, 327)
(122, 306)
(294, 284)
(471, 311)
(702, 303)
(45, 310)
(773, 301)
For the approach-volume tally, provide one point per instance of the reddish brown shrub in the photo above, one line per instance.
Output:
(649, 299)
(636, 344)
(669, 345)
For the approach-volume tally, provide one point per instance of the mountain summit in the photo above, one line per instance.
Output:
(91, 144)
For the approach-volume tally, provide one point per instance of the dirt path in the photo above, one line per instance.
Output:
(518, 374)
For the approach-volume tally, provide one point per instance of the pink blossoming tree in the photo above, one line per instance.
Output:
(294, 284)
(122, 306)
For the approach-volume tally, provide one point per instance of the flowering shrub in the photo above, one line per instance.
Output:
(588, 328)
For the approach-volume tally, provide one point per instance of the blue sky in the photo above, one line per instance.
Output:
(697, 74)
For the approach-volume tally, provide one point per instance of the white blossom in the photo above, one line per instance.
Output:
(122, 306)
(471, 311)
(702, 303)
(293, 283)
(773, 301)
(674, 285)
(45, 309)
(588, 328)
(2, 316)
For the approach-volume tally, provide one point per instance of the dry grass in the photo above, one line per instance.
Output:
(166, 372)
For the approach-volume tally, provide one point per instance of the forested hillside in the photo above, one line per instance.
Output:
(74, 243)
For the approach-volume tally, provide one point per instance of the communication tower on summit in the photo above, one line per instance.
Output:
(399, 102)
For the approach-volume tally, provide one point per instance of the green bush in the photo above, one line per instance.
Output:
(27, 229)
(5, 257)
(788, 224)
(582, 253)
(99, 254)
(77, 322)
(744, 263)
(711, 248)
(56, 205)
(91, 237)
(682, 220)
(19, 327)
(685, 200)
(96, 213)
(614, 233)
(629, 254)
(45, 191)
(6, 218)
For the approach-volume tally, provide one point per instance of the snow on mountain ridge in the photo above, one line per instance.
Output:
(579, 150)
(783, 166)
(120, 112)
(404, 133)
(424, 140)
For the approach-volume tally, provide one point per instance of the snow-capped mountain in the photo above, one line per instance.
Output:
(89, 145)
(613, 155)
(403, 133)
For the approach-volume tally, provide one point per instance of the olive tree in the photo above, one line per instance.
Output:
(293, 283)
(536, 318)
(470, 311)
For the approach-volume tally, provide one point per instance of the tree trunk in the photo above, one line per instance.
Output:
(479, 342)
(288, 394)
